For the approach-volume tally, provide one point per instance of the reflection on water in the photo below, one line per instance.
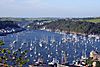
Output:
(49, 45)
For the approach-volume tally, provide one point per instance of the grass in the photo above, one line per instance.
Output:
(93, 20)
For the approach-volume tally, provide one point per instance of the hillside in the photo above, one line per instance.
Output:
(93, 20)
(7, 27)
(70, 26)
(75, 26)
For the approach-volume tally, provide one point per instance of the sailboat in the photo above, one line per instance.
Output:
(40, 44)
(40, 61)
(22, 44)
(84, 56)
(35, 51)
(45, 40)
(31, 49)
(15, 39)
(64, 39)
(64, 59)
(52, 39)
(54, 61)
(31, 55)
(31, 46)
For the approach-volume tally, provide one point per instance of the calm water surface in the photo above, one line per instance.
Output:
(49, 45)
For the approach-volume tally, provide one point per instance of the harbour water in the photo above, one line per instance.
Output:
(49, 45)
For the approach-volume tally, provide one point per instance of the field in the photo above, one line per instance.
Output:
(93, 20)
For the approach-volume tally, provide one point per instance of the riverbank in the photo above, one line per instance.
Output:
(4, 34)
(9, 27)
(68, 26)
(73, 33)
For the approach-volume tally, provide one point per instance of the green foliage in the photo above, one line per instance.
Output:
(70, 26)
(7, 55)
(98, 63)
(90, 61)
(74, 26)
(1, 43)
(93, 20)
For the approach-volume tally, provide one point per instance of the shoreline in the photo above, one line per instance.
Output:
(5, 34)
(59, 32)
(71, 32)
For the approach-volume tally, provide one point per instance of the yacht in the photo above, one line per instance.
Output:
(52, 40)
(31, 49)
(54, 61)
(40, 44)
(35, 51)
(31, 44)
(63, 58)
(83, 57)
(64, 39)
(40, 61)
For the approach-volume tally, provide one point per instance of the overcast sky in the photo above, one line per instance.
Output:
(49, 8)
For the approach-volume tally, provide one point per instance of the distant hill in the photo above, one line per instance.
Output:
(89, 25)
(75, 26)
(70, 25)
(7, 27)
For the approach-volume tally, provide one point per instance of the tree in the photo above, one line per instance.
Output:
(8, 58)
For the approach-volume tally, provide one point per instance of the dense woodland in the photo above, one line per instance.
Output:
(75, 26)
(71, 26)
(7, 27)
(8, 24)
(78, 25)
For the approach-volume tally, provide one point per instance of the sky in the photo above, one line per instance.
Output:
(49, 8)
